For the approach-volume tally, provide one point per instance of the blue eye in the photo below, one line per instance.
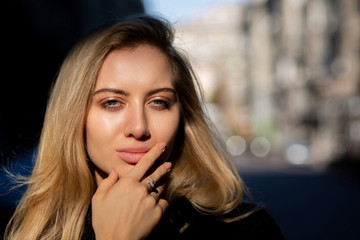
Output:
(161, 104)
(111, 105)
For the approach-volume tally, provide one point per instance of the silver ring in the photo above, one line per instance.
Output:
(151, 182)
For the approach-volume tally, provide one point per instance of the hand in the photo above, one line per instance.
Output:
(127, 208)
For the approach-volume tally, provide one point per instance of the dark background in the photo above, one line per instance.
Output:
(36, 36)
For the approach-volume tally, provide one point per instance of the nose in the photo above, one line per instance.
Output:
(136, 124)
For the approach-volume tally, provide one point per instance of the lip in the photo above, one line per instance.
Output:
(132, 155)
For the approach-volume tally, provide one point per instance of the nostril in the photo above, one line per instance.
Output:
(144, 137)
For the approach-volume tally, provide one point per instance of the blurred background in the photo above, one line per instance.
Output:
(281, 82)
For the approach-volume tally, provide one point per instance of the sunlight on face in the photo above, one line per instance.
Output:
(134, 107)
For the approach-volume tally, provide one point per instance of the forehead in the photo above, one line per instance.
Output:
(144, 64)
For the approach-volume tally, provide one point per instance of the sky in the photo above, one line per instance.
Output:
(178, 11)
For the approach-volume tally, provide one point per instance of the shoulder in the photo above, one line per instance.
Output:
(187, 223)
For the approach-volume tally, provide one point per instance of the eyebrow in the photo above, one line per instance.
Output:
(113, 90)
(125, 93)
(152, 92)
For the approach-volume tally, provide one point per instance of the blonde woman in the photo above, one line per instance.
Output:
(126, 151)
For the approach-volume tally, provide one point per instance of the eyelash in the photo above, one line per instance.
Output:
(163, 104)
(107, 105)
(113, 105)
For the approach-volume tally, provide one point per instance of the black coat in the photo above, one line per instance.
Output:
(181, 221)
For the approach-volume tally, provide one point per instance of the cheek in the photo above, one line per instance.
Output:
(93, 135)
(164, 127)
(100, 129)
(102, 124)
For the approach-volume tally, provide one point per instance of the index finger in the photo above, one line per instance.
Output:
(146, 162)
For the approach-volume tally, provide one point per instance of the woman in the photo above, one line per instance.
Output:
(126, 151)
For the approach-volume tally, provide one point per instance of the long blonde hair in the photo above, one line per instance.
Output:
(61, 186)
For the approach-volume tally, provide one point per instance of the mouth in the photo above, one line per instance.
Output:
(132, 155)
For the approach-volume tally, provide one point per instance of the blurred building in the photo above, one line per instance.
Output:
(281, 77)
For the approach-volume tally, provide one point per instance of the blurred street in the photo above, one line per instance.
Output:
(308, 203)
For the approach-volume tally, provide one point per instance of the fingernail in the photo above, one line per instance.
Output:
(167, 165)
(111, 173)
(162, 146)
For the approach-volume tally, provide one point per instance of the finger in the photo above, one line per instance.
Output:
(163, 204)
(147, 161)
(149, 183)
(157, 192)
(107, 183)
(161, 171)
(157, 174)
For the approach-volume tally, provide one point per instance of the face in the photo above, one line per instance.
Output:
(134, 107)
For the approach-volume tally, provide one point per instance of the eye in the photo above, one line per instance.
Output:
(111, 105)
(160, 104)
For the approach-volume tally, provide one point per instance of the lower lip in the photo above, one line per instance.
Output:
(131, 157)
